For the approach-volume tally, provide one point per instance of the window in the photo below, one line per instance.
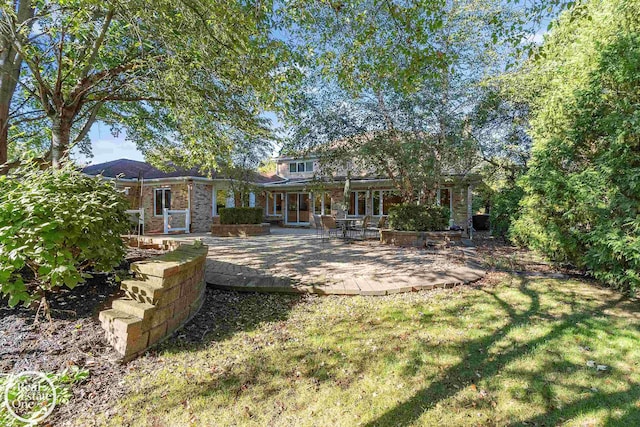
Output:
(221, 199)
(389, 199)
(161, 200)
(322, 203)
(301, 166)
(274, 204)
(376, 199)
(357, 203)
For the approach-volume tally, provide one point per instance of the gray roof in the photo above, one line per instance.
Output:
(132, 169)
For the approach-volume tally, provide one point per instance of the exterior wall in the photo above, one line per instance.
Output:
(282, 168)
(201, 207)
(179, 194)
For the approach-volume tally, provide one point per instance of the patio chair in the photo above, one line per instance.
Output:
(317, 222)
(382, 222)
(329, 225)
(362, 230)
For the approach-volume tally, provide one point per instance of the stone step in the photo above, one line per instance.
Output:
(143, 291)
(141, 310)
(119, 323)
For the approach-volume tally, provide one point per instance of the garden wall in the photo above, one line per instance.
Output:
(167, 292)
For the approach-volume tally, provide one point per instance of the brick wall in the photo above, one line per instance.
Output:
(167, 292)
(201, 199)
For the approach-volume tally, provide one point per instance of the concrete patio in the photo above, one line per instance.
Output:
(295, 260)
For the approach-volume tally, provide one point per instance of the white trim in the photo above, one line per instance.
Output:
(155, 190)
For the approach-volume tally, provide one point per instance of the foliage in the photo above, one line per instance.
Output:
(410, 217)
(55, 226)
(241, 215)
(62, 381)
(183, 79)
(582, 192)
(381, 122)
(505, 209)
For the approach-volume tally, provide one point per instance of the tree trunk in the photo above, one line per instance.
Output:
(4, 133)
(10, 64)
(60, 139)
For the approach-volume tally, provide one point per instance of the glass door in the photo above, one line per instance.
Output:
(298, 208)
(292, 207)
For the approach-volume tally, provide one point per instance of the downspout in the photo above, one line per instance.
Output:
(189, 184)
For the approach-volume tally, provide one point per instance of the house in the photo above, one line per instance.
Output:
(191, 200)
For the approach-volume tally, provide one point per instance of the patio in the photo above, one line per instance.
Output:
(296, 260)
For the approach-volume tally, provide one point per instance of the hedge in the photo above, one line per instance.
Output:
(409, 217)
(241, 216)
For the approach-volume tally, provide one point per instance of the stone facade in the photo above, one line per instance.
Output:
(167, 292)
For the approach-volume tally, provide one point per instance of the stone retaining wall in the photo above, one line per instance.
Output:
(240, 230)
(417, 239)
(167, 292)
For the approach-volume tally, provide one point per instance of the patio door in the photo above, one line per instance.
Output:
(298, 205)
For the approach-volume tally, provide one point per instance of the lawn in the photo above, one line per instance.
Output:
(510, 351)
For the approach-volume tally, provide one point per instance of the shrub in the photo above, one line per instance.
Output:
(55, 226)
(241, 215)
(582, 190)
(410, 217)
(505, 209)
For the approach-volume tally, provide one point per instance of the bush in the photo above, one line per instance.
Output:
(582, 191)
(409, 217)
(241, 216)
(505, 209)
(55, 226)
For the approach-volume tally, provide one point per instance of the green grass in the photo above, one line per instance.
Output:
(512, 352)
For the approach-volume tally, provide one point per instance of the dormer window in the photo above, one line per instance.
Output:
(301, 166)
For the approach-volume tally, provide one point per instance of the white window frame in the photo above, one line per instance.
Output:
(304, 164)
(356, 204)
(155, 195)
(271, 210)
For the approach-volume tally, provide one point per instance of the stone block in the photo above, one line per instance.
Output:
(122, 324)
(142, 290)
(157, 333)
(141, 310)
(162, 315)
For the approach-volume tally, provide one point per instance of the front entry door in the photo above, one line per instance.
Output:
(292, 207)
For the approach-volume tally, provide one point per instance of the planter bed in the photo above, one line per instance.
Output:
(418, 239)
(240, 230)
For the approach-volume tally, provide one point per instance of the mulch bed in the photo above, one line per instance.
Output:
(73, 337)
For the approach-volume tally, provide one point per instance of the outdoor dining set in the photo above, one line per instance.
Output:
(348, 228)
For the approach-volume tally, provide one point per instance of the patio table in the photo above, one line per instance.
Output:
(346, 224)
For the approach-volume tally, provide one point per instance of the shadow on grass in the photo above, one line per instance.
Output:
(332, 353)
(477, 359)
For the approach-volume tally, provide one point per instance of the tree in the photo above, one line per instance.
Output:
(582, 189)
(402, 112)
(182, 79)
(10, 67)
